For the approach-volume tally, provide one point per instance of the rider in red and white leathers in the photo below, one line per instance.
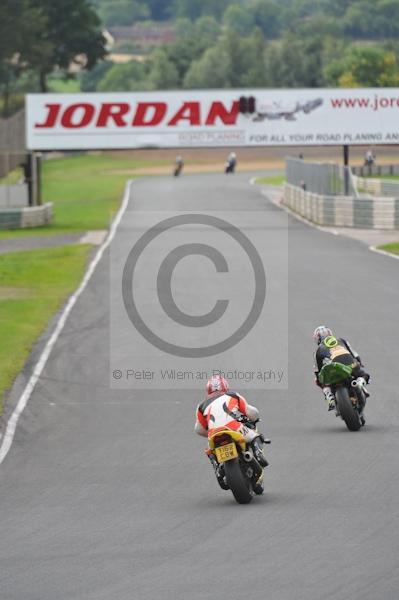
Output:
(222, 409)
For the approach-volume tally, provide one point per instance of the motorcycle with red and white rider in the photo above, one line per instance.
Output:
(227, 412)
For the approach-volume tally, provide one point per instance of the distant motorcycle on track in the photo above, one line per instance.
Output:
(179, 164)
(231, 163)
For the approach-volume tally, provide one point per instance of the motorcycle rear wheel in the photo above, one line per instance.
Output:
(347, 410)
(240, 487)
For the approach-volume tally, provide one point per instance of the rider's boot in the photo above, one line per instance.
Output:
(361, 381)
(258, 486)
(257, 446)
(329, 396)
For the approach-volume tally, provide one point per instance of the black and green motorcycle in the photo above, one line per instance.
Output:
(348, 390)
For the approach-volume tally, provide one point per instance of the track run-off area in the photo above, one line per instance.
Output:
(106, 492)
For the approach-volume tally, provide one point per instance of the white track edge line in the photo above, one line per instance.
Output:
(384, 252)
(11, 426)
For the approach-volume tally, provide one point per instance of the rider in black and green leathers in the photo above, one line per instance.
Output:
(331, 348)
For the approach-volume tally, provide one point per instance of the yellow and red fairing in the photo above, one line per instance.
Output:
(235, 436)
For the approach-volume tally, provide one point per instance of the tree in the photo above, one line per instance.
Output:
(207, 29)
(196, 8)
(243, 60)
(185, 51)
(20, 27)
(238, 19)
(254, 74)
(319, 25)
(123, 12)
(363, 20)
(89, 80)
(163, 74)
(184, 28)
(296, 62)
(364, 66)
(233, 62)
(210, 71)
(131, 76)
(268, 15)
(159, 9)
(72, 34)
(9, 23)
(390, 11)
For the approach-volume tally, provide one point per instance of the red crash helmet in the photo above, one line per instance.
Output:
(217, 383)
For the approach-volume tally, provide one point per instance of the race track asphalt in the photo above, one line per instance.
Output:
(106, 493)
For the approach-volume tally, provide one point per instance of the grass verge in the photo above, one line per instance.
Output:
(33, 286)
(86, 191)
(393, 248)
(271, 180)
(387, 177)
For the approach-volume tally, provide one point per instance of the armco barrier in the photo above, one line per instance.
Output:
(377, 187)
(12, 142)
(14, 196)
(34, 216)
(372, 170)
(343, 211)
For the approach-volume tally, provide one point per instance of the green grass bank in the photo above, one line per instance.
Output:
(271, 180)
(33, 286)
(393, 248)
(85, 190)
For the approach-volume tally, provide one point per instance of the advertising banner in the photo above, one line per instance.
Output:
(212, 118)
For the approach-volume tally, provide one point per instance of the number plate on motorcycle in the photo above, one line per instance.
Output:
(227, 452)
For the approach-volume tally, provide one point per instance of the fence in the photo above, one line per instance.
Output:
(19, 191)
(320, 178)
(343, 211)
(32, 216)
(377, 187)
(14, 195)
(380, 170)
(12, 142)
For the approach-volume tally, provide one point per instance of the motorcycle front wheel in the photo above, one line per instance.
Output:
(239, 485)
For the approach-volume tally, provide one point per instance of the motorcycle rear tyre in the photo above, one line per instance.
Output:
(347, 410)
(240, 487)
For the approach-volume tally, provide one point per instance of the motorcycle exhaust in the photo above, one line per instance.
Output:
(359, 382)
(248, 456)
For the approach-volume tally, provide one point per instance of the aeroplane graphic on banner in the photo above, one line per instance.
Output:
(275, 110)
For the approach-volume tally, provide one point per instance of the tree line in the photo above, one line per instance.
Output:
(219, 44)
(367, 19)
(210, 54)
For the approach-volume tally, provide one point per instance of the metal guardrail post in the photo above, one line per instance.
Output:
(39, 178)
(346, 170)
(34, 178)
